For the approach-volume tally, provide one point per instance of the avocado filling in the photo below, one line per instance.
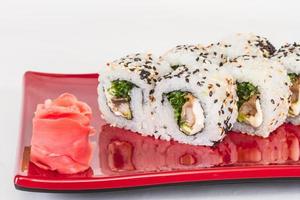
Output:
(249, 108)
(188, 112)
(294, 109)
(118, 98)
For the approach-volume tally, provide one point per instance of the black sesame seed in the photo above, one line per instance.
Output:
(144, 74)
(199, 84)
(197, 70)
(272, 101)
(137, 59)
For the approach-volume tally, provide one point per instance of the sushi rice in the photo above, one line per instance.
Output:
(190, 55)
(142, 71)
(272, 83)
(289, 56)
(243, 44)
(212, 89)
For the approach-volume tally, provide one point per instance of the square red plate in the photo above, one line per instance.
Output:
(40, 86)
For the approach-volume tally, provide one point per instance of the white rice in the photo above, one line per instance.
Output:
(289, 56)
(141, 70)
(273, 84)
(215, 92)
(243, 44)
(191, 55)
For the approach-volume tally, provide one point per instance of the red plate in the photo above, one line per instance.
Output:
(150, 168)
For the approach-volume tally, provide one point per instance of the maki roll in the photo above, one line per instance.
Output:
(244, 44)
(124, 91)
(263, 94)
(289, 56)
(197, 106)
(191, 55)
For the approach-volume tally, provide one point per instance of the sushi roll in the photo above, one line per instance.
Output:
(197, 106)
(263, 94)
(191, 55)
(124, 91)
(244, 44)
(289, 56)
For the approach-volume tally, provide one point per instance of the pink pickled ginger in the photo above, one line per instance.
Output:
(60, 136)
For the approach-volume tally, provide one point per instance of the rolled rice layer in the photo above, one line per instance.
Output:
(142, 70)
(192, 55)
(273, 85)
(289, 56)
(243, 44)
(215, 92)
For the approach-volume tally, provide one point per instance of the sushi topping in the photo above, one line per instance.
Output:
(266, 47)
(187, 111)
(118, 96)
(143, 65)
(249, 107)
(174, 67)
(294, 109)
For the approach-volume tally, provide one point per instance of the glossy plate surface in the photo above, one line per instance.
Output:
(40, 86)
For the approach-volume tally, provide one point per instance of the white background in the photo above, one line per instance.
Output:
(80, 36)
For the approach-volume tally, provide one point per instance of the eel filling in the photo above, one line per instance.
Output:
(118, 98)
(249, 107)
(294, 109)
(188, 112)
